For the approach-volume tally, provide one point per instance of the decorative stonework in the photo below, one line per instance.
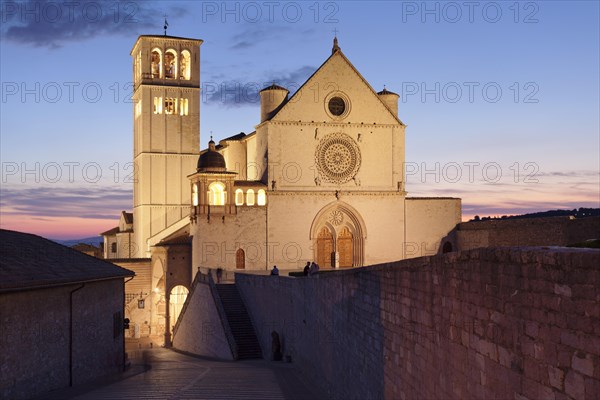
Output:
(336, 217)
(337, 158)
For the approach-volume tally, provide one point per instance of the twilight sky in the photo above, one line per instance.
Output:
(501, 99)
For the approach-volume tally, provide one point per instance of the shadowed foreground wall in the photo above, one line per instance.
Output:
(511, 323)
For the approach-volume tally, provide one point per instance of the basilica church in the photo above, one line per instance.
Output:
(320, 177)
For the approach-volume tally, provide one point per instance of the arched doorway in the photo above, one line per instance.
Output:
(345, 248)
(338, 234)
(447, 247)
(176, 300)
(325, 248)
(240, 259)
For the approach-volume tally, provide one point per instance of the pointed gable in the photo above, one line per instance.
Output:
(336, 75)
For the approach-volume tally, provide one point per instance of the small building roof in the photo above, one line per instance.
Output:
(128, 217)
(30, 262)
(110, 232)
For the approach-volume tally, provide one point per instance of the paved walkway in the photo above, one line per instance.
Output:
(177, 376)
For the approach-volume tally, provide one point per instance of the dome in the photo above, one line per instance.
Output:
(274, 87)
(386, 92)
(211, 159)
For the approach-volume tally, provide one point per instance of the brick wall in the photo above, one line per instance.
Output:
(486, 323)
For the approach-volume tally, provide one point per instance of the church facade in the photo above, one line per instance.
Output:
(320, 178)
(323, 181)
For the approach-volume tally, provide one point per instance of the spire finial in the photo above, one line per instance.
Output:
(166, 25)
(336, 47)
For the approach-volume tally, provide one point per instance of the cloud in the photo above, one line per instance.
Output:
(253, 34)
(44, 23)
(239, 92)
(96, 202)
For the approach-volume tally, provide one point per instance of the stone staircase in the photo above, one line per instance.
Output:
(239, 322)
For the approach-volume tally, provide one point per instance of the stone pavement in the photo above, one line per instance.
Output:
(177, 376)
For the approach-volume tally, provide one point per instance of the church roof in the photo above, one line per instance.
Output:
(335, 52)
(239, 136)
(167, 37)
(30, 262)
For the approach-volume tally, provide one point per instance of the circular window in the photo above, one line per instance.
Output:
(337, 106)
(337, 158)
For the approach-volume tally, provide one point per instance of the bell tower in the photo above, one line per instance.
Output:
(166, 132)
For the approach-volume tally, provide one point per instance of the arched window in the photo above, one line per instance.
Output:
(240, 259)
(261, 198)
(156, 63)
(195, 194)
(239, 197)
(216, 194)
(447, 247)
(170, 64)
(250, 197)
(185, 65)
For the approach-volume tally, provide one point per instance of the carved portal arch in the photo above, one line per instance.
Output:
(338, 235)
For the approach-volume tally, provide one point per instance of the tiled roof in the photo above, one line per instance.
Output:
(239, 136)
(29, 261)
(112, 231)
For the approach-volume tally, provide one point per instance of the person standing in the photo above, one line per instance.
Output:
(314, 269)
(307, 268)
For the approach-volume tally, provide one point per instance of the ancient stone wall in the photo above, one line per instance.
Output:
(35, 331)
(520, 323)
(551, 231)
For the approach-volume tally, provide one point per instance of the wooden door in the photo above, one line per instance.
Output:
(240, 259)
(345, 248)
(324, 248)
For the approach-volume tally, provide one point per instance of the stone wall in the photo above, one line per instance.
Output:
(199, 329)
(487, 323)
(550, 231)
(35, 331)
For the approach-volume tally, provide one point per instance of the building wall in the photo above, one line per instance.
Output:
(200, 330)
(138, 288)
(428, 221)
(293, 135)
(518, 323)
(34, 337)
(380, 214)
(216, 241)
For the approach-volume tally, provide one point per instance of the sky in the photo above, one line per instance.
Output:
(500, 99)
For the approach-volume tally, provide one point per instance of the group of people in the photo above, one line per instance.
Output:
(310, 269)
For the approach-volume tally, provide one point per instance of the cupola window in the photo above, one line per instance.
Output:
(216, 194)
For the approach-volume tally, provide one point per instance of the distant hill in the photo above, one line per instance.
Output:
(577, 213)
(93, 240)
